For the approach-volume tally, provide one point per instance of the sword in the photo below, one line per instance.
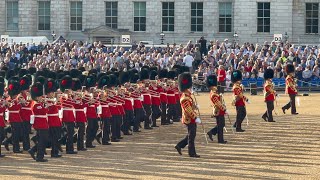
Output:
(204, 131)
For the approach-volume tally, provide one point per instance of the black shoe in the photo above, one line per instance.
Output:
(178, 149)
(6, 146)
(164, 124)
(98, 140)
(71, 152)
(42, 160)
(60, 148)
(18, 152)
(90, 146)
(264, 118)
(2, 155)
(234, 125)
(210, 136)
(195, 156)
(32, 154)
(106, 143)
(56, 155)
(154, 126)
(283, 110)
(115, 140)
(272, 121)
(136, 131)
(127, 134)
(240, 130)
(295, 113)
(148, 128)
(82, 149)
(222, 142)
(120, 137)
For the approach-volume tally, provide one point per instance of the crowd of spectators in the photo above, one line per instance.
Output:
(202, 58)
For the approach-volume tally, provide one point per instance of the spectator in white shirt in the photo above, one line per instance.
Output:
(188, 60)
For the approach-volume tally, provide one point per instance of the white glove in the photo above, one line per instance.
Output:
(198, 121)
(198, 106)
(248, 101)
(226, 112)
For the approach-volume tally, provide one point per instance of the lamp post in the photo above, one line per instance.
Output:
(162, 35)
(285, 37)
(53, 36)
(235, 39)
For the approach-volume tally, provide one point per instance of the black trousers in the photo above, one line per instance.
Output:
(16, 135)
(147, 119)
(2, 136)
(163, 113)
(42, 141)
(241, 114)
(291, 104)
(139, 116)
(221, 86)
(106, 130)
(91, 131)
(179, 110)
(80, 135)
(128, 121)
(26, 126)
(171, 112)
(156, 113)
(54, 136)
(218, 129)
(69, 136)
(115, 126)
(270, 108)
(189, 139)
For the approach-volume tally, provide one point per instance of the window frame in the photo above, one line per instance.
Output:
(38, 15)
(168, 17)
(6, 6)
(196, 17)
(76, 23)
(263, 18)
(311, 18)
(134, 16)
(112, 16)
(225, 17)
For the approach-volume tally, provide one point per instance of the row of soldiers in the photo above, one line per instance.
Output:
(71, 107)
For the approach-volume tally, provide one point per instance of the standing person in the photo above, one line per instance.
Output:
(219, 109)
(2, 124)
(291, 89)
(189, 116)
(239, 99)
(155, 98)
(40, 123)
(221, 79)
(144, 77)
(269, 95)
(188, 61)
(163, 96)
(203, 45)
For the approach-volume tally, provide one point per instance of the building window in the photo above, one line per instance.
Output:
(76, 16)
(225, 17)
(44, 15)
(139, 16)
(197, 16)
(12, 15)
(263, 17)
(112, 14)
(312, 17)
(167, 16)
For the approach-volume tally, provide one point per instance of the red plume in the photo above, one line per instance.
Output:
(11, 86)
(184, 81)
(35, 89)
(64, 82)
(22, 82)
(49, 85)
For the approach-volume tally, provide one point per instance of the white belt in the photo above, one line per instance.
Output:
(14, 111)
(79, 110)
(25, 108)
(40, 116)
(67, 109)
(105, 106)
(57, 114)
(156, 96)
(1, 114)
(170, 94)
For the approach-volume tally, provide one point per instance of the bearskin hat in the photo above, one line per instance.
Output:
(25, 83)
(211, 81)
(144, 74)
(74, 73)
(112, 80)
(153, 75)
(52, 75)
(93, 71)
(145, 67)
(114, 69)
(76, 84)
(22, 72)
(268, 74)
(82, 78)
(176, 66)
(163, 73)
(133, 71)
(36, 90)
(50, 86)
(46, 72)
(60, 75)
(171, 74)
(67, 73)
(13, 87)
(101, 75)
(184, 81)
(1, 88)
(3, 73)
(103, 81)
(32, 70)
(40, 79)
(155, 68)
(1, 79)
(236, 76)
(184, 69)
(40, 73)
(289, 68)
(134, 78)
(90, 81)
(124, 77)
(81, 69)
(65, 83)
(10, 74)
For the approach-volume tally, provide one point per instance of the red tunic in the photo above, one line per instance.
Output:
(291, 85)
(26, 110)
(113, 107)
(40, 117)
(237, 90)
(14, 112)
(79, 109)
(171, 97)
(216, 102)
(221, 75)
(163, 95)
(146, 98)
(2, 109)
(105, 111)
(92, 111)
(268, 89)
(53, 116)
(68, 110)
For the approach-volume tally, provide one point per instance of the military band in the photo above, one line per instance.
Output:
(291, 90)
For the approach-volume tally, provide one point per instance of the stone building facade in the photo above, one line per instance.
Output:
(179, 20)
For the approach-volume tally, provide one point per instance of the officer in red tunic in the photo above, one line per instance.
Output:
(2, 109)
(269, 95)
(13, 108)
(155, 99)
(163, 96)
(54, 121)
(40, 123)
(189, 116)
(144, 76)
(291, 89)
(81, 117)
(25, 111)
(239, 99)
(171, 97)
(139, 112)
(68, 117)
(219, 109)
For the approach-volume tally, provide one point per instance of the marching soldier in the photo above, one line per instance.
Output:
(163, 96)
(269, 95)
(219, 109)
(189, 116)
(291, 89)
(239, 99)
(144, 76)
(2, 124)
(155, 99)
(171, 98)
